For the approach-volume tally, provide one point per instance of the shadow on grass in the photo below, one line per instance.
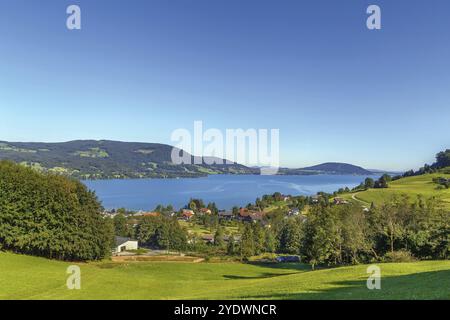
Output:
(424, 286)
(262, 276)
(294, 267)
(282, 266)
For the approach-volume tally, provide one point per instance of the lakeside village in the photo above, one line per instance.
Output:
(197, 231)
(332, 229)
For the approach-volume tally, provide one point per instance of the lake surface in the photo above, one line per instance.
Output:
(226, 190)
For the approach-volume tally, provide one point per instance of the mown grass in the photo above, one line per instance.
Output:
(25, 277)
(411, 186)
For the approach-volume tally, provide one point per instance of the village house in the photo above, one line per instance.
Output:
(208, 238)
(205, 211)
(250, 216)
(339, 201)
(187, 214)
(124, 244)
(139, 213)
(244, 214)
(108, 214)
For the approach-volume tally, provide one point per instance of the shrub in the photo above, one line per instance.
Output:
(399, 256)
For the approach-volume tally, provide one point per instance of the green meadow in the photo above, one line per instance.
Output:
(412, 186)
(26, 277)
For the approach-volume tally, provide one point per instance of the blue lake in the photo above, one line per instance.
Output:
(226, 190)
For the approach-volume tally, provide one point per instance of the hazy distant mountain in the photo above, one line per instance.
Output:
(327, 168)
(91, 159)
(338, 168)
(392, 173)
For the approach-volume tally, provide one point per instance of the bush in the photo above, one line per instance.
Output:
(399, 256)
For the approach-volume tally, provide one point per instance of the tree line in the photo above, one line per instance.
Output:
(442, 161)
(335, 235)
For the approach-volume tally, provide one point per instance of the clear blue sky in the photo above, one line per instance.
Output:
(140, 69)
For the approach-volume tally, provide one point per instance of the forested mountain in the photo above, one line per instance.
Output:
(338, 168)
(327, 168)
(104, 159)
(91, 159)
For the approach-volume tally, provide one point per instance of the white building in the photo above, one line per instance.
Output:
(125, 244)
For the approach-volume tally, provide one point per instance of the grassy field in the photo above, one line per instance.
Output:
(412, 186)
(25, 277)
(201, 230)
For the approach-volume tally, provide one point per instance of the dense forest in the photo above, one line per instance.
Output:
(51, 216)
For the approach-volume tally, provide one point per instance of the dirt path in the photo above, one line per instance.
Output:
(361, 201)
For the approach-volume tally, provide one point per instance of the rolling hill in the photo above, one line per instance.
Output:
(413, 186)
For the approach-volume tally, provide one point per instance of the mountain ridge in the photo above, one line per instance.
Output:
(107, 159)
(338, 167)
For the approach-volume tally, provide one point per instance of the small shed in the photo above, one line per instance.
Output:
(125, 244)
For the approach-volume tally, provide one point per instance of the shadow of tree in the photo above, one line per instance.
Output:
(261, 276)
(424, 286)
(285, 266)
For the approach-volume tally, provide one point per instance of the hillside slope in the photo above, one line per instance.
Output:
(26, 277)
(412, 186)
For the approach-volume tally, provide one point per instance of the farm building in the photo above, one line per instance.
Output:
(125, 244)
(205, 211)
